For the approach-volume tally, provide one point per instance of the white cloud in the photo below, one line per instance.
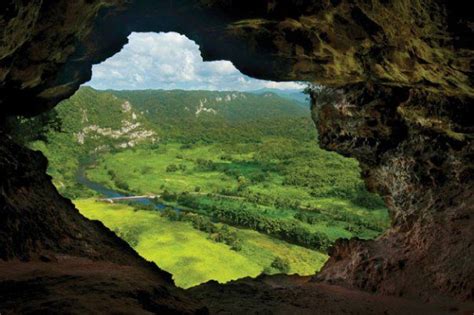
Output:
(171, 61)
(138, 78)
(283, 85)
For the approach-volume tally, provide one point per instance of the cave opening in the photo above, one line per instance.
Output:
(406, 69)
(209, 173)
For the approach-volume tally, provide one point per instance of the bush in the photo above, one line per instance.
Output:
(226, 157)
(258, 177)
(146, 170)
(281, 265)
(171, 214)
(168, 196)
(171, 168)
(121, 184)
(112, 174)
(236, 245)
(205, 165)
(128, 234)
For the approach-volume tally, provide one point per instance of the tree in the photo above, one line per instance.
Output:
(168, 196)
(242, 183)
(171, 168)
(121, 184)
(236, 245)
(171, 214)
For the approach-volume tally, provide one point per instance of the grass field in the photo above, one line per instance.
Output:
(189, 254)
(145, 172)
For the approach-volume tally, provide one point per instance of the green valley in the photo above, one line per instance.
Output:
(241, 186)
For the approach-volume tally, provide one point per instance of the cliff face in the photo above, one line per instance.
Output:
(405, 68)
(417, 153)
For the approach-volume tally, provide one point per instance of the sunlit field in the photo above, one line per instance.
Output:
(189, 254)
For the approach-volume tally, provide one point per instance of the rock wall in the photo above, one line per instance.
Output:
(405, 67)
(415, 149)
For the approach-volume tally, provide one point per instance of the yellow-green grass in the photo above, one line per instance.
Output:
(189, 254)
(263, 250)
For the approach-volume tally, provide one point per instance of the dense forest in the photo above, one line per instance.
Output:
(221, 164)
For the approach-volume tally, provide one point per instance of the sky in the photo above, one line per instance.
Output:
(171, 61)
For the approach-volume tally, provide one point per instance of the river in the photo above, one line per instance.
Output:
(106, 192)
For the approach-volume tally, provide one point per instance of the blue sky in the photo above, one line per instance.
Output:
(171, 61)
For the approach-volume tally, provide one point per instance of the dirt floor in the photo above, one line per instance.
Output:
(81, 286)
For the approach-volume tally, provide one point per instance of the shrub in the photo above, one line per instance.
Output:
(205, 165)
(168, 196)
(146, 170)
(112, 174)
(226, 157)
(281, 265)
(171, 168)
(121, 184)
(236, 245)
(171, 214)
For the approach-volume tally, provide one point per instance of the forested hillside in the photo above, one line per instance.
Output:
(297, 96)
(211, 116)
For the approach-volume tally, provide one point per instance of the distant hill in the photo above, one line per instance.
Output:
(231, 107)
(95, 118)
(293, 95)
(121, 119)
(218, 115)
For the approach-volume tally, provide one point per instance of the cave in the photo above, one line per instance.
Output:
(405, 68)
